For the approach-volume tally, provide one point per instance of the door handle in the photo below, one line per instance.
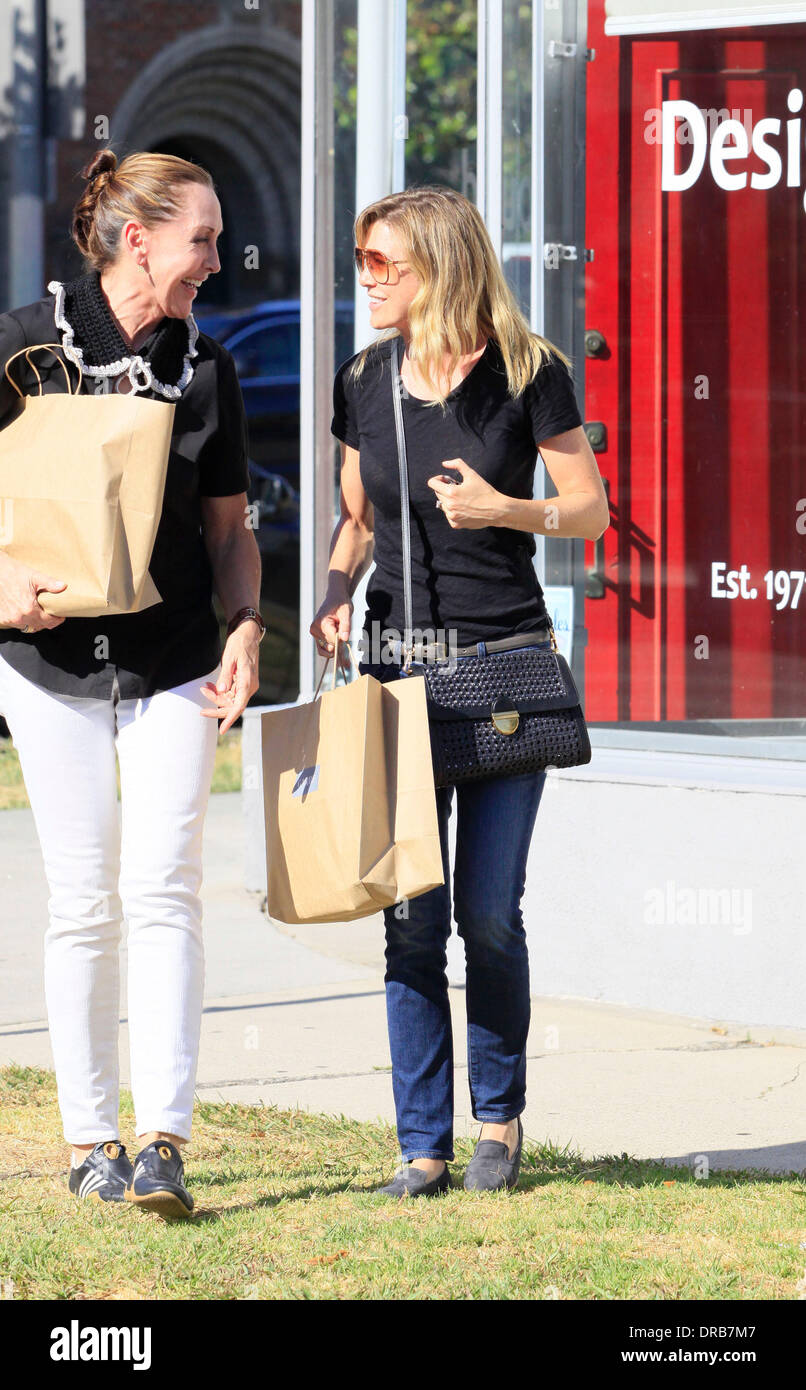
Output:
(594, 577)
(596, 430)
(596, 344)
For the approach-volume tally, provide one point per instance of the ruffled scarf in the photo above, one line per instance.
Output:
(92, 340)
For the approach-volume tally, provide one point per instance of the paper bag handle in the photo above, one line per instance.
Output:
(338, 655)
(34, 347)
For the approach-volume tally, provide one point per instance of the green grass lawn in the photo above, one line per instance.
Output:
(284, 1210)
(12, 788)
(226, 776)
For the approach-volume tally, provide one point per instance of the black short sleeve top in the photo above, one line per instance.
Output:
(479, 582)
(178, 639)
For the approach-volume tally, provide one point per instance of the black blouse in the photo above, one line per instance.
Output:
(178, 639)
(479, 583)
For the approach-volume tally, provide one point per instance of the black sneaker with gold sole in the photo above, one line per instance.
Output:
(103, 1175)
(158, 1181)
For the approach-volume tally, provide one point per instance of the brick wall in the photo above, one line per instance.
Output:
(120, 40)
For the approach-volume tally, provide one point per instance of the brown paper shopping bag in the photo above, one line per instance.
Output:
(82, 479)
(349, 802)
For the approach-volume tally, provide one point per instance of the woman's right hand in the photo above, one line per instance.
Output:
(19, 586)
(334, 618)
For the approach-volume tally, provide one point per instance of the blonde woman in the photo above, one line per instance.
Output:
(149, 686)
(480, 393)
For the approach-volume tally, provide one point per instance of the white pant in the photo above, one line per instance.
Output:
(144, 865)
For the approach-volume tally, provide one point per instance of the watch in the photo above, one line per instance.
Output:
(241, 616)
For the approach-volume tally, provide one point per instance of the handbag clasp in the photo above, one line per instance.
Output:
(506, 719)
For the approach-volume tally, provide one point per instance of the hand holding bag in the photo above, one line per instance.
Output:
(82, 479)
(509, 712)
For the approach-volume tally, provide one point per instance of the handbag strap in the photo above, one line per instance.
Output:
(405, 512)
(34, 347)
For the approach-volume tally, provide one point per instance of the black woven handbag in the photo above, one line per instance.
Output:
(497, 715)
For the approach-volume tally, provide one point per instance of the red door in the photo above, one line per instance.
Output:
(697, 287)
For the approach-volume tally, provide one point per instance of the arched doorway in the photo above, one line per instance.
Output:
(233, 106)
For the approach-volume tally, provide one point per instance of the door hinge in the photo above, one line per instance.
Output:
(558, 49)
(555, 251)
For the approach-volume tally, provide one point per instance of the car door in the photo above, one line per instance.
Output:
(266, 356)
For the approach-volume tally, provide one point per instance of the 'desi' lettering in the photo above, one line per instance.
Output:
(730, 145)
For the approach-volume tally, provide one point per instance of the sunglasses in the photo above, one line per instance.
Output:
(377, 264)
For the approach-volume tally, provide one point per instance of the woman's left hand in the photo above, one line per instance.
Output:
(472, 503)
(238, 679)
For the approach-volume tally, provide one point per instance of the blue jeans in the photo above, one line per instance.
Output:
(495, 820)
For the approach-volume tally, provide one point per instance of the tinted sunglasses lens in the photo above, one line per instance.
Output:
(377, 264)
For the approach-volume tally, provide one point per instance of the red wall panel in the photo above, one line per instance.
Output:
(700, 293)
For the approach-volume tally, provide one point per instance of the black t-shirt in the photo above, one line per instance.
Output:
(178, 639)
(480, 582)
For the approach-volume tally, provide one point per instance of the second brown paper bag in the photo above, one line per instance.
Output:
(349, 802)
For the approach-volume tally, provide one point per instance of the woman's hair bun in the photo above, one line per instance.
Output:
(102, 166)
(97, 173)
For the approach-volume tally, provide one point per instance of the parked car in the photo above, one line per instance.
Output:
(265, 344)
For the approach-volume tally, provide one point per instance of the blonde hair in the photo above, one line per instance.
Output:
(463, 294)
(145, 186)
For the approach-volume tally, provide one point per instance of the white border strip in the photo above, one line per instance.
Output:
(680, 21)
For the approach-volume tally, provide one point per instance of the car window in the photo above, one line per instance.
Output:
(268, 350)
(344, 340)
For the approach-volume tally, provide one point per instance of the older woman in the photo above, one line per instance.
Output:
(153, 686)
(480, 394)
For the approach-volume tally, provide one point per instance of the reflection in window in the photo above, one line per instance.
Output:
(516, 249)
(267, 351)
(441, 94)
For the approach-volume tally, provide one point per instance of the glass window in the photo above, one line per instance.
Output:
(344, 338)
(345, 78)
(345, 92)
(696, 380)
(441, 94)
(516, 139)
(269, 350)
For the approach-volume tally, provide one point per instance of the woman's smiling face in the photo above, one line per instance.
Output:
(389, 303)
(180, 250)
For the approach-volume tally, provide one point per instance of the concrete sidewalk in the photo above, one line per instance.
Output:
(297, 1018)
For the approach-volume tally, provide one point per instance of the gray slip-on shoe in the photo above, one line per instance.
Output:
(491, 1168)
(413, 1182)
